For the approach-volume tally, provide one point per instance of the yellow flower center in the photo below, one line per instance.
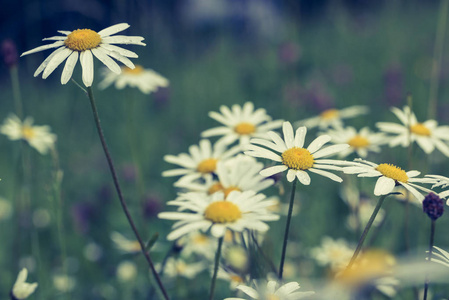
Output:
(82, 40)
(358, 142)
(329, 114)
(272, 297)
(297, 158)
(236, 278)
(207, 166)
(28, 132)
(181, 267)
(245, 128)
(136, 71)
(218, 187)
(201, 239)
(420, 129)
(393, 172)
(222, 212)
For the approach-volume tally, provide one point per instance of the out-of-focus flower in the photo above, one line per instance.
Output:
(441, 182)
(294, 158)
(146, 80)
(124, 244)
(389, 176)
(93, 252)
(236, 258)
(177, 267)
(152, 205)
(198, 243)
(428, 135)
(39, 137)
(440, 256)
(126, 271)
(64, 283)
(433, 206)
(235, 279)
(5, 209)
(9, 53)
(240, 211)
(241, 123)
(365, 210)
(360, 142)
(22, 289)
(86, 43)
(333, 117)
(333, 253)
(270, 290)
(200, 162)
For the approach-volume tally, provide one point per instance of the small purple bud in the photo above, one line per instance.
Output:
(9, 53)
(433, 206)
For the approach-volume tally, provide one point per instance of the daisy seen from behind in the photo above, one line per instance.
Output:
(38, 137)
(201, 161)
(294, 158)
(83, 44)
(360, 142)
(239, 211)
(428, 135)
(146, 80)
(388, 177)
(241, 123)
(441, 182)
(273, 290)
(22, 289)
(333, 117)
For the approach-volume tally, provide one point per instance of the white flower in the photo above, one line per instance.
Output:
(146, 80)
(360, 142)
(239, 173)
(365, 210)
(21, 289)
(442, 257)
(428, 135)
(333, 117)
(198, 243)
(126, 271)
(83, 43)
(286, 291)
(240, 211)
(234, 279)
(124, 244)
(441, 182)
(200, 162)
(294, 158)
(39, 137)
(64, 283)
(333, 253)
(241, 123)
(176, 267)
(389, 176)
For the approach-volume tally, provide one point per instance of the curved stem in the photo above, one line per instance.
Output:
(119, 192)
(287, 229)
(217, 263)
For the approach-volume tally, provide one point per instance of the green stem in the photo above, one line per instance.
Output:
(217, 263)
(432, 236)
(14, 74)
(119, 192)
(366, 230)
(287, 229)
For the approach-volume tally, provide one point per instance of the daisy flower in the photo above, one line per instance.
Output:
(177, 267)
(240, 211)
(200, 162)
(294, 158)
(286, 291)
(360, 142)
(198, 243)
(39, 137)
(389, 176)
(441, 182)
(82, 43)
(333, 117)
(440, 256)
(240, 173)
(146, 80)
(124, 244)
(333, 253)
(22, 289)
(241, 123)
(428, 135)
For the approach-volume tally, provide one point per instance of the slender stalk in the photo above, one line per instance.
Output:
(217, 263)
(14, 74)
(119, 192)
(437, 58)
(432, 236)
(366, 230)
(287, 229)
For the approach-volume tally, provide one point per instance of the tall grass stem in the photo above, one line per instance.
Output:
(217, 263)
(432, 236)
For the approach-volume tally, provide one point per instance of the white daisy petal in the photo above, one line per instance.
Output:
(288, 134)
(330, 150)
(384, 185)
(109, 62)
(317, 143)
(45, 47)
(273, 170)
(113, 29)
(44, 64)
(123, 39)
(69, 67)
(300, 136)
(87, 65)
(56, 61)
(303, 177)
(327, 174)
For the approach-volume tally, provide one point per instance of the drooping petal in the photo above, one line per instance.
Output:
(87, 64)
(69, 67)
(384, 185)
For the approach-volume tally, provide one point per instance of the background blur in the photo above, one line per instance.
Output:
(293, 58)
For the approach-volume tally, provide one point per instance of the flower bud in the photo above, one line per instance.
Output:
(433, 206)
(9, 53)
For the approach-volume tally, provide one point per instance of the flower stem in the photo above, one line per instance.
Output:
(119, 192)
(287, 229)
(366, 230)
(217, 263)
(432, 235)
(14, 74)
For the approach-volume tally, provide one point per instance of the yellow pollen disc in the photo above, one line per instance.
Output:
(272, 297)
(82, 40)
(393, 172)
(245, 128)
(136, 71)
(216, 187)
(420, 129)
(329, 114)
(236, 278)
(207, 166)
(28, 132)
(200, 239)
(358, 142)
(222, 212)
(297, 158)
